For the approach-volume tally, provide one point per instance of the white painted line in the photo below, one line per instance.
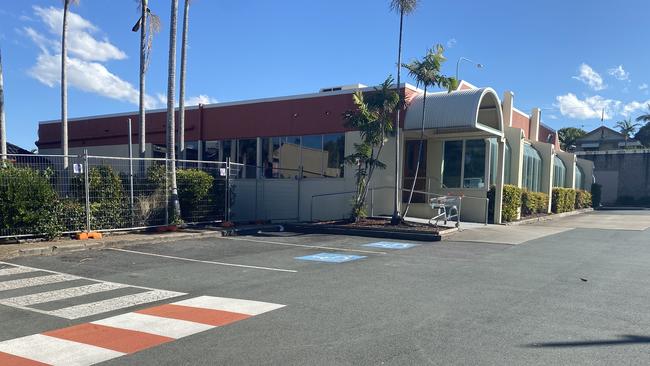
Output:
(62, 294)
(15, 270)
(35, 281)
(103, 306)
(55, 351)
(306, 246)
(247, 307)
(201, 261)
(166, 327)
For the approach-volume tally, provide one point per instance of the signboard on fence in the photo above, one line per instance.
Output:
(78, 168)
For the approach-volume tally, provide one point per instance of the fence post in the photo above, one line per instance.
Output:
(131, 174)
(300, 174)
(86, 168)
(227, 198)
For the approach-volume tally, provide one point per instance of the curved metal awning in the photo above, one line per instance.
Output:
(471, 110)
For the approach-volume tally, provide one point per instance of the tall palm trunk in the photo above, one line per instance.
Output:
(143, 69)
(181, 92)
(64, 86)
(3, 127)
(396, 219)
(417, 165)
(171, 127)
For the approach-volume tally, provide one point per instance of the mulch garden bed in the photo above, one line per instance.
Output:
(383, 224)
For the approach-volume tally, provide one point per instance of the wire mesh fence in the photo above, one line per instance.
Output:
(39, 196)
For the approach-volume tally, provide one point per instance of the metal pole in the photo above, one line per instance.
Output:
(300, 171)
(131, 172)
(227, 199)
(167, 190)
(487, 208)
(87, 189)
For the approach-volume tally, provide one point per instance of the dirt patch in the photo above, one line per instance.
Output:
(382, 224)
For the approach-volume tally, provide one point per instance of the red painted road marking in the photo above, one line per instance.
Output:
(7, 359)
(192, 314)
(116, 339)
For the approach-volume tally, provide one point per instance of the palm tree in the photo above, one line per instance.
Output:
(627, 128)
(181, 92)
(147, 24)
(644, 117)
(427, 73)
(3, 131)
(171, 126)
(64, 83)
(403, 7)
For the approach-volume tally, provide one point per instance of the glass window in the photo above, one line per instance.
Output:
(247, 155)
(312, 156)
(334, 146)
(474, 173)
(227, 150)
(532, 169)
(507, 165)
(559, 172)
(192, 150)
(411, 159)
(580, 178)
(452, 164)
(494, 160)
(211, 151)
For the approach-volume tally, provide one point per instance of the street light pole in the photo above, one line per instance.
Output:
(478, 66)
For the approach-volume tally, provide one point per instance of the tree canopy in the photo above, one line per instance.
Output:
(569, 135)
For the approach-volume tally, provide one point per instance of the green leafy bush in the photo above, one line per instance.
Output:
(583, 199)
(28, 203)
(563, 200)
(108, 202)
(596, 194)
(194, 188)
(511, 202)
(533, 203)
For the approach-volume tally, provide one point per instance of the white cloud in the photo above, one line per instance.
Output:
(590, 77)
(80, 41)
(643, 86)
(85, 70)
(191, 101)
(619, 73)
(592, 107)
(451, 43)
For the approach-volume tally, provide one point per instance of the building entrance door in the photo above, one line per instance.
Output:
(412, 150)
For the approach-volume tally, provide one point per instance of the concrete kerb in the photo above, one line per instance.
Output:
(549, 217)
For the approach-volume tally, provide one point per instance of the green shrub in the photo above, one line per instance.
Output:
(28, 203)
(583, 199)
(194, 188)
(563, 200)
(511, 202)
(533, 203)
(596, 194)
(108, 202)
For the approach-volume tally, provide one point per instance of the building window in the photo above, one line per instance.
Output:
(312, 156)
(191, 150)
(532, 169)
(474, 172)
(412, 150)
(334, 147)
(452, 164)
(494, 160)
(580, 177)
(507, 165)
(559, 172)
(212, 151)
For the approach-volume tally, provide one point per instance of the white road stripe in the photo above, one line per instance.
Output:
(103, 306)
(55, 351)
(35, 281)
(62, 294)
(305, 246)
(202, 261)
(232, 305)
(15, 270)
(166, 327)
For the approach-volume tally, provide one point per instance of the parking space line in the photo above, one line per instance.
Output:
(307, 246)
(205, 262)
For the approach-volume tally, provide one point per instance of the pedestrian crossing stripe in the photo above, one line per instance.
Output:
(45, 277)
(106, 339)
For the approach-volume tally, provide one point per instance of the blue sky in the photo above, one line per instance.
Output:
(571, 58)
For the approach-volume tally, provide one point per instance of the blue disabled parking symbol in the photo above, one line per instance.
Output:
(331, 257)
(390, 245)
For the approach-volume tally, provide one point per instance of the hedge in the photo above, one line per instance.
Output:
(563, 200)
(533, 203)
(108, 202)
(194, 188)
(511, 202)
(583, 199)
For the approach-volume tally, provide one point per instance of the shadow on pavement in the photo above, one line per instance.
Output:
(624, 340)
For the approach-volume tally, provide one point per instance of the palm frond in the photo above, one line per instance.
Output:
(405, 6)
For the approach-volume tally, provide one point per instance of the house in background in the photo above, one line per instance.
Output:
(604, 138)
